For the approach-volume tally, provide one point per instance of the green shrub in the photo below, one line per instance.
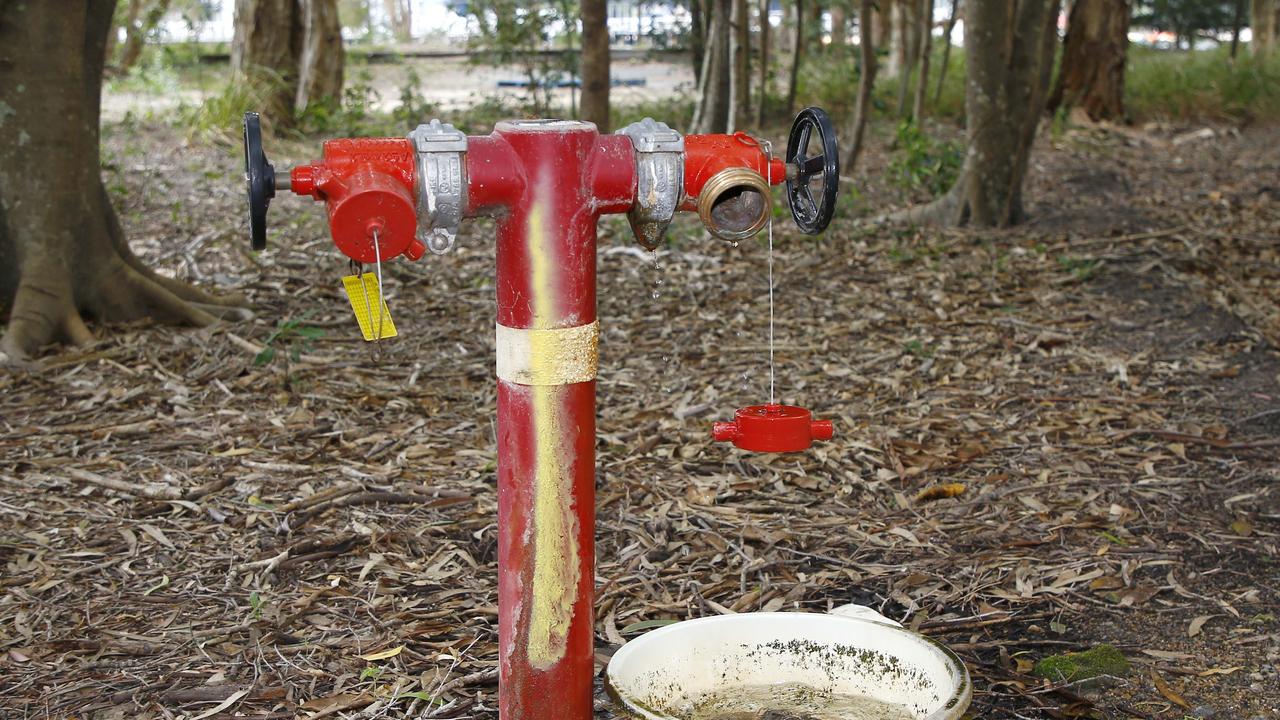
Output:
(924, 163)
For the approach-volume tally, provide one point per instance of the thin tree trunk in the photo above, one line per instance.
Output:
(1236, 19)
(866, 82)
(131, 13)
(699, 17)
(946, 50)
(907, 32)
(763, 98)
(1262, 21)
(740, 67)
(1093, 60)
(813, 24)
(797, 54)
(135, 34)
(320, 65)
(63, 249)
(132, 10)
(884, 27)
(595, 63)
(1009, 51)
(839, 26)
(400, 18)
(926, 47)
(711, 114)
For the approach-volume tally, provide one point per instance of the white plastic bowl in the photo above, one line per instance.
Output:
(662, 673)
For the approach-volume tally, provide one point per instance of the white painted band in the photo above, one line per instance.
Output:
(560, 356)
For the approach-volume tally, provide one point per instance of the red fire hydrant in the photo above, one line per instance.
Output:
(547, 182)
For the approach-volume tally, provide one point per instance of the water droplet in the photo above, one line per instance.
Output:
(735, 243)
(656, 294)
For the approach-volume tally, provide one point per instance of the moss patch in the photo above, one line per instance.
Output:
(1072, 667)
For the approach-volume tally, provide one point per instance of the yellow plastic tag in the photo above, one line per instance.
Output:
(362, 299)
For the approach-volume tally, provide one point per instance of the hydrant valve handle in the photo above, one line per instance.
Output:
(812, 215)
(260, 178)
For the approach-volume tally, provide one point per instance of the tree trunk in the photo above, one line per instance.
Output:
(946, 50)
(699, 12)
(135, 35)
(813, 25)
(400, 18)
(866, 82)
(797, 54)
(1093, 58)
(131, 13)
(884, 24)
(1237, 17)
(290, 51)
(906, 53)
(61, 244)
(265, 51)
(740, 68)
(1262, 21)
(762, 104)
(1009, 52)
(926, 47)
(839, 26)
(595, 63)
(711, 114)
(320, 66)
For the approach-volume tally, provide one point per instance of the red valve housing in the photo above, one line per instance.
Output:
(367, 185)
(773, 428)
(705, 156)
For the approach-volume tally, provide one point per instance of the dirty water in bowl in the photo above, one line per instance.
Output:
(790, 701)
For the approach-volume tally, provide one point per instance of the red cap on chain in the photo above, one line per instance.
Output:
(773, 428)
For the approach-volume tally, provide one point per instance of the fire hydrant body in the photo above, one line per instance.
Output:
(546, 183)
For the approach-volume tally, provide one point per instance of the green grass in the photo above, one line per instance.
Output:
(1201, 85)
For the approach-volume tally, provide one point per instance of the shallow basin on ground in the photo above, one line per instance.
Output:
(788, 666)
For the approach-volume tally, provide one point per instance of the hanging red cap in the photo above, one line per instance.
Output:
(773, 428)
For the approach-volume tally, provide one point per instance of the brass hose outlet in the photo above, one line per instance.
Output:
(735, 203)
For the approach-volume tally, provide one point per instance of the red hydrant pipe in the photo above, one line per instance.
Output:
(547, 183)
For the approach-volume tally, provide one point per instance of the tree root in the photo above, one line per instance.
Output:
(950, 210)
(123, 292)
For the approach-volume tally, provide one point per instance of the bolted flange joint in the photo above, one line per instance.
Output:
(659, 179)
(440, 183)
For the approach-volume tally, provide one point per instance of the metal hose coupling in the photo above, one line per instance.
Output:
(440, 182)
(735, 203)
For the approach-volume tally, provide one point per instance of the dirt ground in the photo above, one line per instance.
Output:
(190, 533)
